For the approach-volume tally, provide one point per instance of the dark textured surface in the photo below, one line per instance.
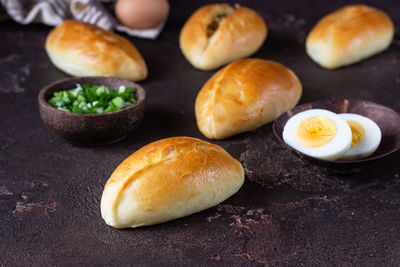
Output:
(92, 129)
(287, 213)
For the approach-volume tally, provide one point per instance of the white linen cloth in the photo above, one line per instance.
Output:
(53, 12)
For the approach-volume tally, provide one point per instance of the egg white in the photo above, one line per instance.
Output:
(369, 143)
(333, 150)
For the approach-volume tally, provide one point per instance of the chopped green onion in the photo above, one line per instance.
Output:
(121, 89)
(93, 99)
(118, 102)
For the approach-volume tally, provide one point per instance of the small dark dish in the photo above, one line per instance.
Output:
(91, 129)
(387, 119)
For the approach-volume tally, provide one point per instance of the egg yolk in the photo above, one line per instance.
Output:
(357, 132)
(316, 131)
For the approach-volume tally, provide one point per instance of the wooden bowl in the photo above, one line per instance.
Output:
(387, 119)
(91, 129)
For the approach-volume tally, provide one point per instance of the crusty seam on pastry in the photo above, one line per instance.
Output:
(215, 92)
(216, 20)
(137, 174)
(134, 176)
(212, 27)
(212, 117)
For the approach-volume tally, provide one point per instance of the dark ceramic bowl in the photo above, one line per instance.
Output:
(387, 119)
(91, 129)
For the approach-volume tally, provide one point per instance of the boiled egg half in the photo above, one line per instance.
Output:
(366, 136)
(318, 133)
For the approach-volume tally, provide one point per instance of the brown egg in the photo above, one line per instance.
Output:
(141, 14)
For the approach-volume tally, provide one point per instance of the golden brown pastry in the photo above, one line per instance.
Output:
(81, 49)
(169, 179)
(245, 95)
(218, 34)
(348, 35)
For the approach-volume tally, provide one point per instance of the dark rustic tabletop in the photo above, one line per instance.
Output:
(288, 212)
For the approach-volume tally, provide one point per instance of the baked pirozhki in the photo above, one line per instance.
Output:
(81, 49)
(169, 179)
(348, 35)
(245, 95)
(218, 34)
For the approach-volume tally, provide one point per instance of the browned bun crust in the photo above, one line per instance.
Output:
(168, 179)
(81, 49)
(237, 35)
(348, 35)
(245, 95)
